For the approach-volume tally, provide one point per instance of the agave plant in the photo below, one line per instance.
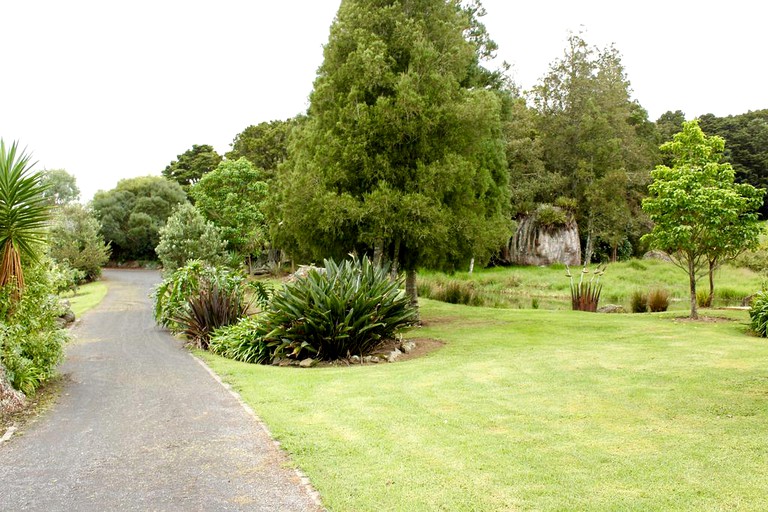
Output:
(23, 213)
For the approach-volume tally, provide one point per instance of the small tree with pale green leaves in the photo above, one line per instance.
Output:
(701, 216)
(188, 236)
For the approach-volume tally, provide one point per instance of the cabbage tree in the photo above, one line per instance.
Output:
(23, 213)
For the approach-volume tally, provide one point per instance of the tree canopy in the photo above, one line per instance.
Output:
(74, 238)
(188, 236)
(402, 152)
(233, 197)
(265, 145)
(590, 127)
(700, 215)
(132, 213)
(60, 187)
(192, 165)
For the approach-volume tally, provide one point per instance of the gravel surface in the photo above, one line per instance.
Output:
(141, 425)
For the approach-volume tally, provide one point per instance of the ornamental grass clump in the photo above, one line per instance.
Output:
(349, 309)
(758, 314)
(586, 294)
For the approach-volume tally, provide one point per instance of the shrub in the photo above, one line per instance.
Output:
(173, 294)
(350, 308)
(639, 302)
(30, 343)
(658, 300)
(758, 313)
(210, 308)
(242, 341)
(549, 216)
(188, 236)
(75, 241)
(703, 300)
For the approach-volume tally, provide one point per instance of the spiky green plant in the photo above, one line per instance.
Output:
(585, 295)
(350, 308)
(758, 314)
(23, 213)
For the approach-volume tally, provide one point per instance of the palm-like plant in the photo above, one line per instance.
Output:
(23, 213)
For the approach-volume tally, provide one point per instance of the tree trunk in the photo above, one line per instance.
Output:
(378, 252)
(589, 247)
(472, 265)
(692, 278)
(410, 287)
(711, 298)
(615, 254)
(395, 259)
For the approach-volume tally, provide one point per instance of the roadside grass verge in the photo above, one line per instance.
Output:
(549, 288)
(87, 297)
(532, 410)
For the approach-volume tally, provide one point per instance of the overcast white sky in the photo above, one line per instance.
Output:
(110, 90)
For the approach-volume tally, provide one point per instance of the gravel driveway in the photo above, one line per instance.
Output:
(141, 425)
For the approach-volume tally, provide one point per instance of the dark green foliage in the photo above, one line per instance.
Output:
(192, 165)
(264, 145)
(30, 343)
(75, 240)
(241, 341)
(639, 302)
(173, 294)
(658, 300)
(210, 308)
(746, 139)
(132, 214)
(402, 150)
(758, 314)
(350, 308)
(585, 295)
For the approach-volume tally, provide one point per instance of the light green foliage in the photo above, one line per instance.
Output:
(265, 145)
(60, 187)
(532, 410)
(591, 130)
(192, 165)
(188, 236)
(758, 314)
(132, 214)
(701, 216)
(30, 343)
(242, 341)
(233, 197)
(74, 239)
(402, 150)
(24, 213)
(172, 295)
(349, 308)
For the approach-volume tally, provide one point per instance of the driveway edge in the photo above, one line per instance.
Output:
(306, 483)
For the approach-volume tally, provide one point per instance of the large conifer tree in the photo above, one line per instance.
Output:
(402, 152)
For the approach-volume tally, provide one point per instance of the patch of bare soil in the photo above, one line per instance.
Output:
(423, 346)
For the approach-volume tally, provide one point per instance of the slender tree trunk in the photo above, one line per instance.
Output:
(378, 252)
(692, 278)
(589, 247)
(410, 287)
(395, 260)
(472, 265)
(711, 298)
(615, 254)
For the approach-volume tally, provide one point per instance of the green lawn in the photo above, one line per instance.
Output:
(532, 410)
(87, 297)
(549, 288)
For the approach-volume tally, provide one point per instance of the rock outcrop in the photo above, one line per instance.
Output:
(538, 244)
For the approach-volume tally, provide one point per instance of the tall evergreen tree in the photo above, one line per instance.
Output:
(402, 153)
(591, 127)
